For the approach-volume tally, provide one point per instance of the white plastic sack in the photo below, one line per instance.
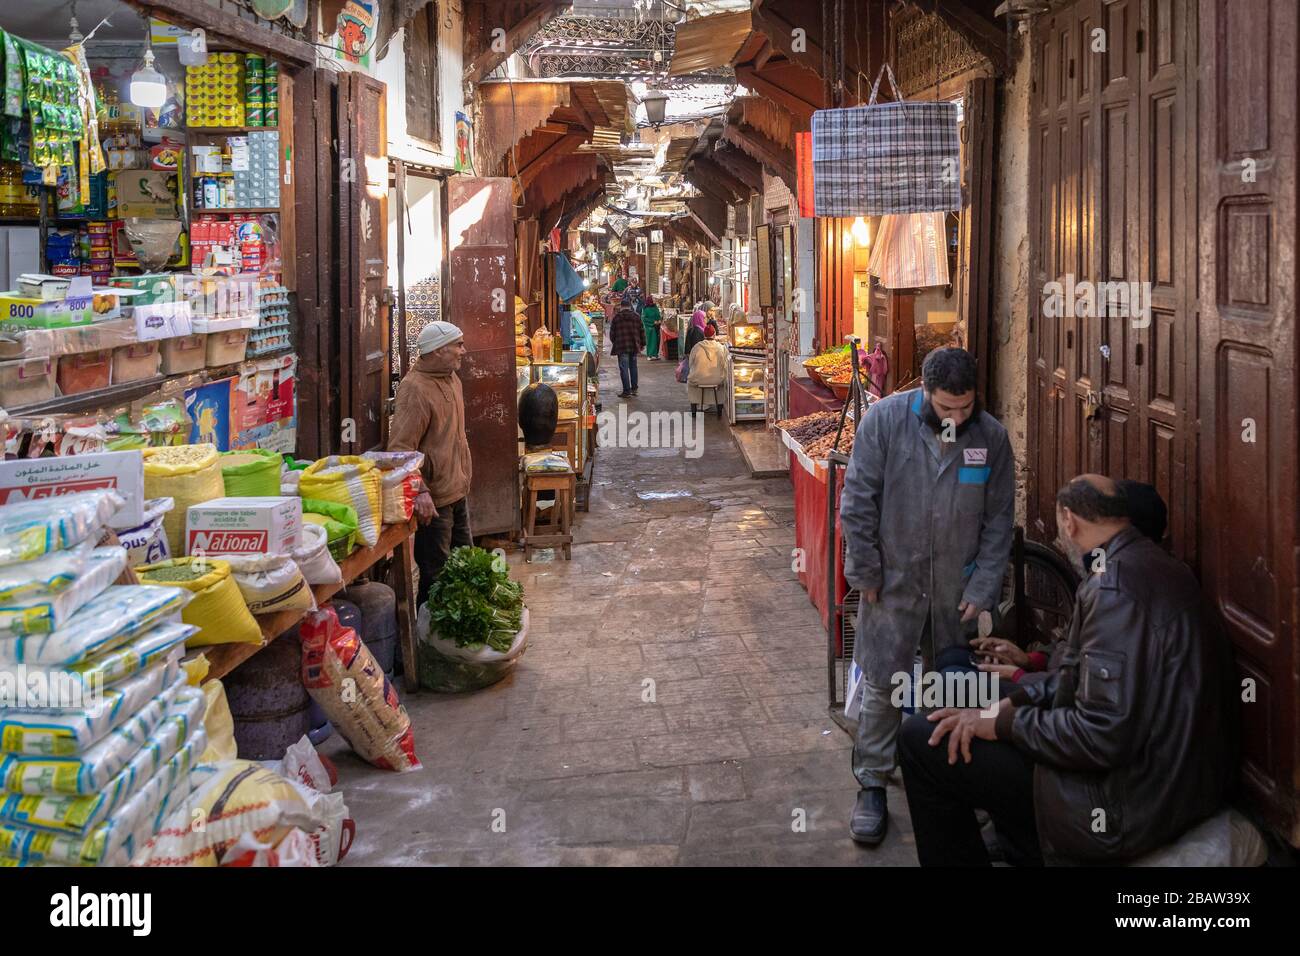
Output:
(62, 732)
(313, 556)
(108, 621)
(302, 764)
(289, 479)
(147, 542)
(42, 613)
(31, 529)
(270, 582)
(90, 772)
(1225, 839)
(470, 655)
(294, 850)
(100, 671)
(48, 575)
(80, 815)
(118, 834)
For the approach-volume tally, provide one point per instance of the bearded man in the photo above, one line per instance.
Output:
(927, 512)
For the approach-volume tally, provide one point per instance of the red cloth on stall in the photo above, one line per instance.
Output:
(810, 532)
(806, 397)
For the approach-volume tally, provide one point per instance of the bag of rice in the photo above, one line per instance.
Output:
(342, 676)
(90, 771)
(251, 473)
(46, 732)
(190, 474)
(339, 522)
(42, 613)
(270, 582)
(313, 556)
(106, 622)
(232, 798)
(99, 670)
(118, 822)
(147, 542)
(349, 480)
(31, 529)
(79, 815)
(217, 610)
(289, 481)
(51, 574)
(400, 481)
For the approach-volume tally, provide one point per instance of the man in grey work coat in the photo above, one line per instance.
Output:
(927, 512)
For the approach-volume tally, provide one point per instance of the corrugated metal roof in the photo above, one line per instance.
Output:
(709, 42)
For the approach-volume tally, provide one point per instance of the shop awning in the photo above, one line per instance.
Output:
(513, 109)
(710, 42)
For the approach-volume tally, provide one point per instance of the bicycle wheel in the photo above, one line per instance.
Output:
(1050, 583)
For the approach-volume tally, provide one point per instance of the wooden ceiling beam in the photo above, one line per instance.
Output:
(558, 149)
(738, 165)
(704, 181)
(800, 108)
(488, 59)
(740, 189)
(778, 160)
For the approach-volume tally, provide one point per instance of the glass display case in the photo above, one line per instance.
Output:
(749, 334)
(569, 379)
(747, 388)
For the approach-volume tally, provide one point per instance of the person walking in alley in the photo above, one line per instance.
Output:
(927, 512)
(707, 369)
(1127, 743)
(626, 339)
(650, 319)
(430, 418)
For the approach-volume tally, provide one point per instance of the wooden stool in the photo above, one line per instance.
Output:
(716, 403)
(556, 530)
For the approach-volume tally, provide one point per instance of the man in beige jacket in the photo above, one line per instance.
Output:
(430, 418)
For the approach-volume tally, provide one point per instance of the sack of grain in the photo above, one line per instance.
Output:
(253, 473)
(343, 678)
(37, 613)
(350, 480)
(401, 482)
(339, 522)
(313, 556)
(217, 610)
(190, 474)
(270, 582)
(33, 529)
(147, 543)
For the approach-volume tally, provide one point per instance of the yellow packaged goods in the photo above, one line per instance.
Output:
(190, 474)
(217, 610)
(349, 480)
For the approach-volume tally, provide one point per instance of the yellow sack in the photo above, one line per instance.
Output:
(190, 474)
(217, 610)
(219, 723)
(348, 480)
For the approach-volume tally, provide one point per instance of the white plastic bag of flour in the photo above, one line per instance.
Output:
(270, 582)
(147, 542)
(42, 613)
(313, 556)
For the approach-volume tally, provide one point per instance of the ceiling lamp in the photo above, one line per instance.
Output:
(1019, 10)
(861, 232)
(148, 86)
(655, 102)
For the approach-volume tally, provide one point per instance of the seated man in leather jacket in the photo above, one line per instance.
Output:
(1119, 749)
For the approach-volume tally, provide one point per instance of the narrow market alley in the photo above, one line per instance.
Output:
(681, 576)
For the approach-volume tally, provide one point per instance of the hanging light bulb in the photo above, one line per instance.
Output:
(861, 232)
(148, 86)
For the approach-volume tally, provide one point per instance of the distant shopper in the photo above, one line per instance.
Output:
(626, 339)
(636, 294)
(707, 370)
(695, 334)
(430, 418)
(650, 319)
(620, 285)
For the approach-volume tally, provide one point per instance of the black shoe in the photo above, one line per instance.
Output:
(634, 393)
(624, 394)
(870, 814)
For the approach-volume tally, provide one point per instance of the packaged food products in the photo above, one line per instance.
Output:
(84, 371)
(268, 525)
(401, 482)
(217, 610)
(42, 613)
(33, 528)
(48, 575)
(313, 556)
(108, 621)
(270, 583)
(349, 480)
(343, 678)
(31, 479)
(147, 542)
(253, 473)
(339, 522)
(190, 474)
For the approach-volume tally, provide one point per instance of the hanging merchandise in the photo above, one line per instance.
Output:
(886, 158)
(910, 251)
(51, 97)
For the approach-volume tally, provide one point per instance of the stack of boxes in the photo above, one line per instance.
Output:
(215, 91)
(259, 185)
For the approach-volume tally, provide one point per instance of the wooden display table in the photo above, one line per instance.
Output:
(394, 538)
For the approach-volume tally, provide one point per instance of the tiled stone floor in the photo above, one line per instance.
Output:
(680, 576)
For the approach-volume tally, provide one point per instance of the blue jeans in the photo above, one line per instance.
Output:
(627, 370)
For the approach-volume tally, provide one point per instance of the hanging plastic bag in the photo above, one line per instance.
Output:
(343, 678)
(32, 529)
(349, 480)
(218, 609)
